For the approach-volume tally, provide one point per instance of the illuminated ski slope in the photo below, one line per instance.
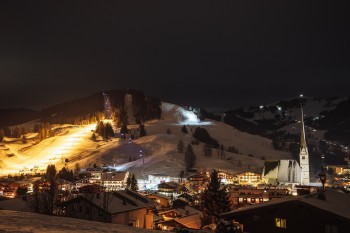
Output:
(50, 151)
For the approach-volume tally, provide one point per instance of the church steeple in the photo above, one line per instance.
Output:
(303, 145)
(304, 154)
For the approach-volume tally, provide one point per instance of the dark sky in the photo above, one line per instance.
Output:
(208, 53)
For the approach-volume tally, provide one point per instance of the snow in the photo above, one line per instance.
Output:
(158, 148)
(13, 221)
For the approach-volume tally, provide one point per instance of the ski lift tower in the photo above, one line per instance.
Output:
(107, 106)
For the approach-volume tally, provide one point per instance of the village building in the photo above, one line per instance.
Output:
(248, 196)
(114, 181)
(168, 189)
(183, 218)
(124, 207)
(249, 178)
(303, 214)
(162, 200)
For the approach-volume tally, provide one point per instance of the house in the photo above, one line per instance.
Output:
(9, 190)
(249, 178)
(187, 222)
(246, 196)
(187, 197)
(227, 178)
(94, 174)
(114, 181)
(339, 169)
(18, 221)
(180, 203)
(302, 214)
(187, 218)
(162, 200)
(168, 188)
(124, 207)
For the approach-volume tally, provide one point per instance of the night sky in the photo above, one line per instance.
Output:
(213, 54)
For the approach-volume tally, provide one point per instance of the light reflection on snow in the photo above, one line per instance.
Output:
(181, 115)
(62, 149)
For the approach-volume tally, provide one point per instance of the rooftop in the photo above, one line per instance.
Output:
(40, 223)
(336, 202)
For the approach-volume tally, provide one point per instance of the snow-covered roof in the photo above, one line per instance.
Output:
(15, 221)
(117, 202)
(192, 221)
(336, 202)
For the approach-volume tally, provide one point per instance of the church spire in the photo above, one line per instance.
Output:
(304, 154)
(302, 133)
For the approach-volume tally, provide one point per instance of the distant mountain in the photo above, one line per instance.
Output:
(327, 123)
(16, 116)
(145, 108)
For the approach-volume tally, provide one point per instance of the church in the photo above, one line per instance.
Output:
(288, 171)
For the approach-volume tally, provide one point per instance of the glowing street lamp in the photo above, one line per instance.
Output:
(143, 157)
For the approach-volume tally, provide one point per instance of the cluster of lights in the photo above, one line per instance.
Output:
(52, 155)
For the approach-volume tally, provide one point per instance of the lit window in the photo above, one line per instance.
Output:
(281, 222)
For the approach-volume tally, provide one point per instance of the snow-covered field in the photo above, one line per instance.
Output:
(154, 153)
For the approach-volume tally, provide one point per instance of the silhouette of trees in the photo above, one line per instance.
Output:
(2, 135)
(214, 200)
(207, 150)
(180, 146)
(202, 135)
(184, 129)
(142, 130)
(190, 158)
(65, 174)
(124, 129)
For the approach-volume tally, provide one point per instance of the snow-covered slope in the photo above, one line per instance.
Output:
(154, 153)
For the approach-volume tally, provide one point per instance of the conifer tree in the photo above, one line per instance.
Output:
(65, 174)
(24, 139)
(124, 129)
(109, 130)
(2, 135)
(133, 185)
(24, 131)
(190, 158)
(7, 132)
(50, 176)
(93, 137)
(184, 129)
(214, 200)
(207, 150)
(16, 132)
(180, 146)
(128, 182)
(142, 130)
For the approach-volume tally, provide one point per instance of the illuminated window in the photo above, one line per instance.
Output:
(281, 222)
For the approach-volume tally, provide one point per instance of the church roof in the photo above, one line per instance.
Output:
(270, 165)
(302, 133)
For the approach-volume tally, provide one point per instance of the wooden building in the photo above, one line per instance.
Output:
(124, 207)
(302, 214)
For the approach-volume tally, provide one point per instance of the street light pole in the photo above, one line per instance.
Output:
(143, 157)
